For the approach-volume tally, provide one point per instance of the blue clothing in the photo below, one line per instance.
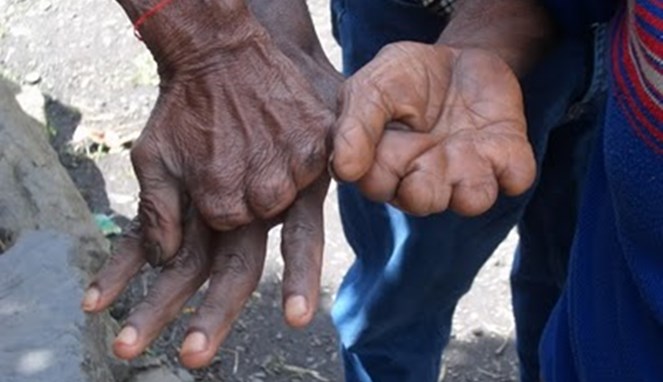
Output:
(608, 326)
(393, 311)
(574, 16)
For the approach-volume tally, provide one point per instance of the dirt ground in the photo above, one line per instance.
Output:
(100, 84)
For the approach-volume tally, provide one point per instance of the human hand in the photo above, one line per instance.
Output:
(232, 262)
(459, 137)
(237, 131)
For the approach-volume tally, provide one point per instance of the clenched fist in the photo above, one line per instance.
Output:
(457, 134)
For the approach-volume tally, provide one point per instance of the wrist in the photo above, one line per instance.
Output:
(188, 34)
(519, 32)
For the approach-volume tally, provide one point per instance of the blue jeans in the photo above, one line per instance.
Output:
(394, 309)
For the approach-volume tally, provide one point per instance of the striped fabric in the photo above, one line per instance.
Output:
(637, 59)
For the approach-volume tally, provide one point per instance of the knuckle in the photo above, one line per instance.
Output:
(221, 214)
(272, 196)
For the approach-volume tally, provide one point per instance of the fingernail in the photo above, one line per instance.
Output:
(296, 307)
(195, 342)
(128, 336)
(91, 299)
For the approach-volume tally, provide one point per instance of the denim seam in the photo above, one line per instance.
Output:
(599, 79)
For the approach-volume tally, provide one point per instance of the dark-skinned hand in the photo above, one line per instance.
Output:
(462, 134)
(237, 130)
(232, 261)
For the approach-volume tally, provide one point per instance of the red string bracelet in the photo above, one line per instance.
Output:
(151, 12)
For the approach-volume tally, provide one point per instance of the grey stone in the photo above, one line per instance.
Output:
(32, 78)
(184, 375)
(53, 249)
(161, 374)
(44, 333)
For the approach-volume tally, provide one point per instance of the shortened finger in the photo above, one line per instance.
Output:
(423, 192)
(395, 154)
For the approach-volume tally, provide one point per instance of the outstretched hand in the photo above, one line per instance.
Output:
(457, 134)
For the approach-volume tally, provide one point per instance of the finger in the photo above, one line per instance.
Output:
(271, 190)
(127, 259)
(395, 154)
(472, 198)
(471, 174)
(364, 114)
(514, 164)
(178, 281)
(160, 207)
(425, 190)
(236, 270)
(302, 243)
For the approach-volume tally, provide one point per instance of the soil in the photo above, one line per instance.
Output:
(100, 84)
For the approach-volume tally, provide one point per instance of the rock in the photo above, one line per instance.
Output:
(32, 78)
(478, 332)
(161, 374)
(184, 375)
(32, 102)
(56, 247)
(44, 334)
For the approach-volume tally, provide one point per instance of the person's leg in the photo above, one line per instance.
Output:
(394, 309)
(546, 233)
(548, 225)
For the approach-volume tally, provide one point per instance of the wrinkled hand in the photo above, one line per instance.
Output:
(460, 135)
(237, 130)
(232, 262)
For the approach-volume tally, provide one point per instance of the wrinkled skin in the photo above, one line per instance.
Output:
(237, 130)
(459, 137)
(430, 91)
(231, 261)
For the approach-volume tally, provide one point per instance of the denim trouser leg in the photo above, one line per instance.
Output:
(393, 311)
(548, 225)
(546, 233)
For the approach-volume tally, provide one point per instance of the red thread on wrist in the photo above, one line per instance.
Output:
(151, 12)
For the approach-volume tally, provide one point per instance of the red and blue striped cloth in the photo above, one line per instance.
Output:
(637, 65)
(608, 324)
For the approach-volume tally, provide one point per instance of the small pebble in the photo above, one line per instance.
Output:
(32, 78)
(477, 332)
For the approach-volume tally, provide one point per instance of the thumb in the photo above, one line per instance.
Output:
(390, 88)
(364, 114)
